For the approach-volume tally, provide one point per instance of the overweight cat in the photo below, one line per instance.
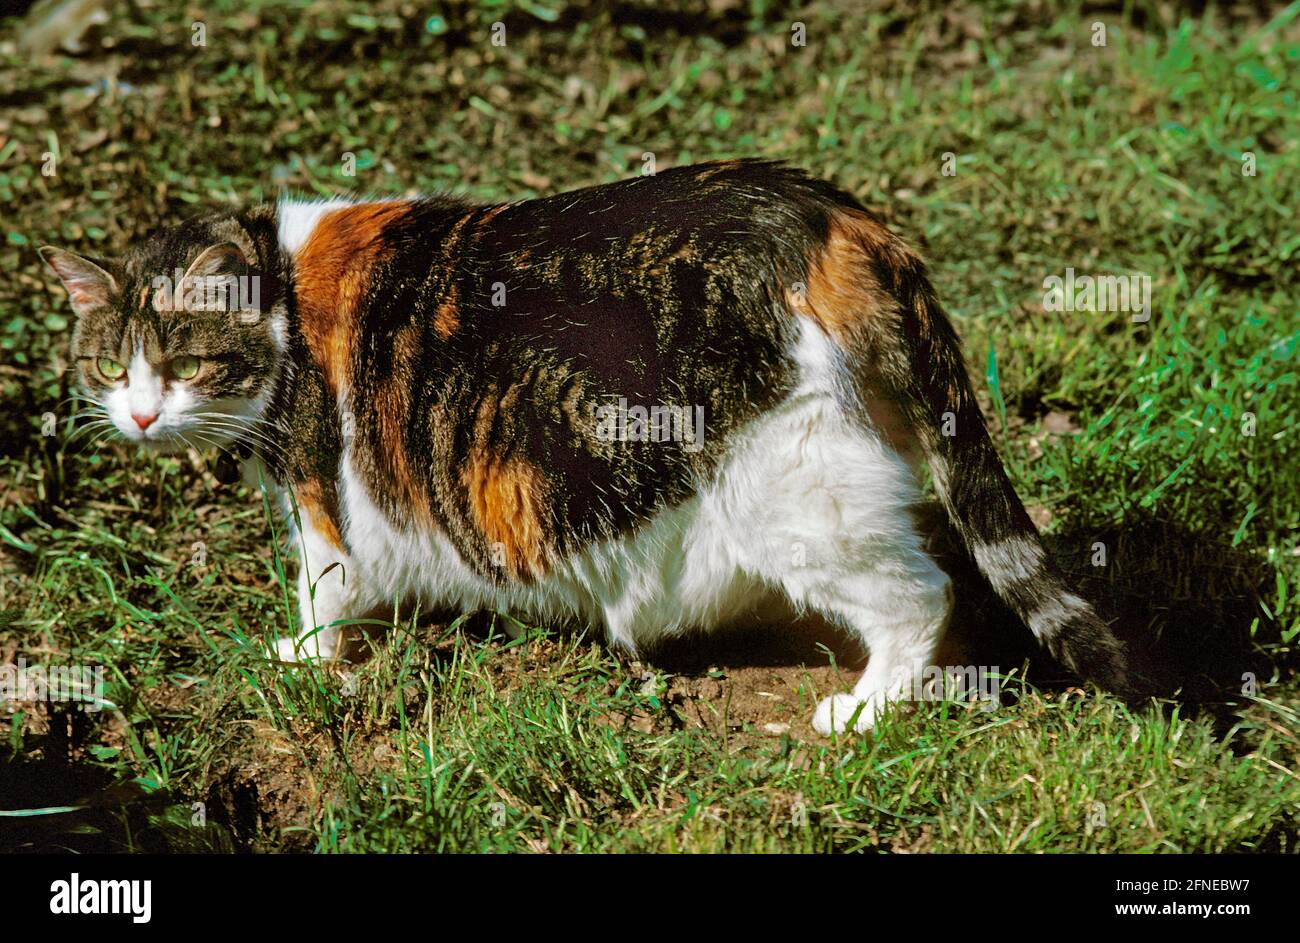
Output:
(650, 406)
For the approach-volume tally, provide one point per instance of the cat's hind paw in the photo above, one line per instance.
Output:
(835, 713)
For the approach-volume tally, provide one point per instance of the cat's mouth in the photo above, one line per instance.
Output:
(164, 443)
(174, 439)
(160, 441)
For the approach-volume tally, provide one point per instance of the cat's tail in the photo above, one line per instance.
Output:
(919, 359)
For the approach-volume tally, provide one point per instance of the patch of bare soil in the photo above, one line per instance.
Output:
(768, 677)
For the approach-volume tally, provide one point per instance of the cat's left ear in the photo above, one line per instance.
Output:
(224, 258)
(89, 284)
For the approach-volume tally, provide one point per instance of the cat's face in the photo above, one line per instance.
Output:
(177, 343)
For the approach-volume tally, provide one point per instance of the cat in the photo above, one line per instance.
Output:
(652, 406)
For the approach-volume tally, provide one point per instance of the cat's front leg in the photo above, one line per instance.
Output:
(326, 585)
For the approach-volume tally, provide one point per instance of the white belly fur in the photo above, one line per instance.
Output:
(681, 570)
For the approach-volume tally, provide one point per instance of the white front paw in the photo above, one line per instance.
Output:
(311, 648)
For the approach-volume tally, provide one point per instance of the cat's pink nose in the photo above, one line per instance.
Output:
(144, 422)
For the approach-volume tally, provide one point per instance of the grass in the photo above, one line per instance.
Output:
(1170, 445)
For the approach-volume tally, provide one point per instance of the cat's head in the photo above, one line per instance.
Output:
(178, 342)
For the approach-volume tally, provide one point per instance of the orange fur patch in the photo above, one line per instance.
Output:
(842, 294)
(392, 407)
(311, 504)
(505, 496)
(332, 273)
(447, 318)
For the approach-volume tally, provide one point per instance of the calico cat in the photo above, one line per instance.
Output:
(651, 406)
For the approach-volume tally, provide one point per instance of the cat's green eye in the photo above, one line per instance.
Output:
(111, 369)
(184, 368)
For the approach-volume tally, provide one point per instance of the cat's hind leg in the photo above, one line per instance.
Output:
(900, 611)
(824, 510)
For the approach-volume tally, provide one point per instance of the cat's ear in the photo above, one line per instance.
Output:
(224, 258)
(89, 284)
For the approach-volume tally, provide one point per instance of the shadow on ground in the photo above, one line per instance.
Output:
(53, 799)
